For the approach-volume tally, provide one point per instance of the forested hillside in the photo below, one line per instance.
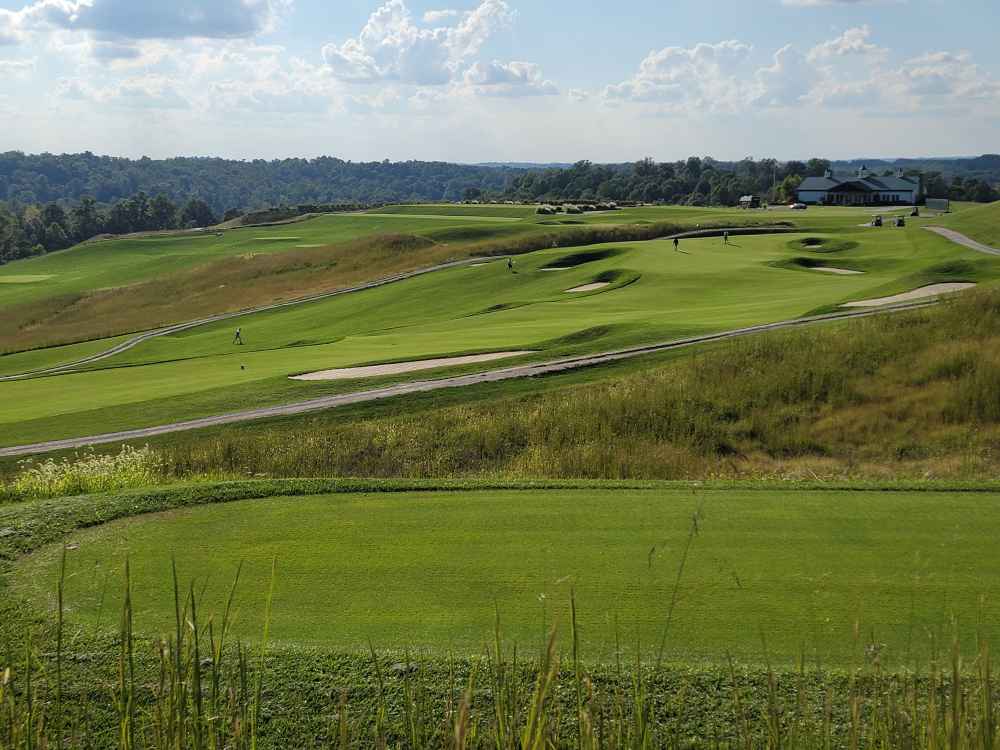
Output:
(226, 184)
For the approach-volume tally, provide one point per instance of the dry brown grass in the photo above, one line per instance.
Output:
(226, 285)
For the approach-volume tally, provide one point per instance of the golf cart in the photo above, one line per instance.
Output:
(876, 221)
(900, 221)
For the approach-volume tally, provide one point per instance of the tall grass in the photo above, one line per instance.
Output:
(908, 396)
(194, 689)
(91, 472)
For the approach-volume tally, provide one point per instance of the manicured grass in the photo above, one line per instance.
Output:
(657, 294)
(117, 262)
(429, 570)
(980, 222)
(37, 359)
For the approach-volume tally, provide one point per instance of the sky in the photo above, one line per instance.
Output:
(501, 80)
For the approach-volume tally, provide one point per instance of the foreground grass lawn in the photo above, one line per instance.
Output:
(426, 571)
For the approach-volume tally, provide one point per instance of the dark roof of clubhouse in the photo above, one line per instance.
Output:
(874, 183)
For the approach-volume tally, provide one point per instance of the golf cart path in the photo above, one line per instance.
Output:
(961, 239)
(480, 260)
(424, 386)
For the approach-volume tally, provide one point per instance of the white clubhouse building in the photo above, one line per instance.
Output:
(864, 188)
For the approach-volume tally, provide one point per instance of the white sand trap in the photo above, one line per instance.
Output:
(590, 287)
(477, 265)
(932, 290)
(395, 368)
(838, 271)
(307, 246)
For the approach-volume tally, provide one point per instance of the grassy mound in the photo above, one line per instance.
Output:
(981, 223)
(348, 578)
(578, 259)
(822, 245)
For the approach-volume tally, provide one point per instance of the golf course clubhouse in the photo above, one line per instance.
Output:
(861, 189)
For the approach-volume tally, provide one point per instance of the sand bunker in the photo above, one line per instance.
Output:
(590, 287)
(395, 368)
(933, 290)
(308, 246)
(839, 271)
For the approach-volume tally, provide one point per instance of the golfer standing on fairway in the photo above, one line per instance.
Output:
(677, 243)
(238, 338)
(725, 237)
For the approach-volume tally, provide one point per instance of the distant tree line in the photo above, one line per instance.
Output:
(707, 182)
(32, 179)
(37, 229)
(48, 202)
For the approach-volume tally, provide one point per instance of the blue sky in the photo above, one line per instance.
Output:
(492, 80)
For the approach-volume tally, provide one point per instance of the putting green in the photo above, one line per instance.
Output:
(655, 294)
(426, 570)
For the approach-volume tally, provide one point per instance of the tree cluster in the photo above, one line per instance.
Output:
(694, 181)
(706, 181)
(34, 230)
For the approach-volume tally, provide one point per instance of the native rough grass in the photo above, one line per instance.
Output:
(910, 395)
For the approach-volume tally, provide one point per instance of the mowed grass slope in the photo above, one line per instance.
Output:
(980, 222)
(134, 283)
(654, 294)
(429, 571)
(128, 284)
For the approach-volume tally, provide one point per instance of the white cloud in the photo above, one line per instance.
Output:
(440, 16)
(392, 47)
(119, 31)
(853, 42)
(16, 68)
(788, 81)
(701, 77)
(141, 92)
(947, 74)
(508, 79)
(154, 19)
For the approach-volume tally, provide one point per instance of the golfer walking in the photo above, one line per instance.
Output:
(677, 244)
(238, 337)
(725, 237)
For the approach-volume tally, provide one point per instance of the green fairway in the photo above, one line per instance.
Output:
(427, 570)
(118, 262)
(38, 359)
(654, 294)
